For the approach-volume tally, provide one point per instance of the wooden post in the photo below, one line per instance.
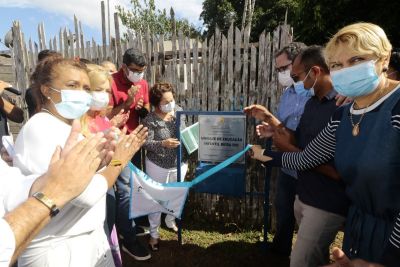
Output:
(82, 40)
(117, 40)
(204, 76)
(62, 41)
(216, 97)
(230, 76)
(245, 77)
(189, 87)
(103, 31)
(71, 45)
(66, 44)
(77, 38)
(149, 73)
(238, 69)
(181, 68)
(224, 91)
(210, 77)
(196, 89)
(261, 86)
(253, 76)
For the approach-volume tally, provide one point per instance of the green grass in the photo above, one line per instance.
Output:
(217, 245)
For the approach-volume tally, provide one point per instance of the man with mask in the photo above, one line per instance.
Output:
(130, 92)
(290, 109)
(321, 204)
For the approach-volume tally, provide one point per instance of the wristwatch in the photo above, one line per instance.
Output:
(47, 202)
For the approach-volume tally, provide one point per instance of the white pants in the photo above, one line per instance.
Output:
(162, 175)
(89, 249)
(317, 230)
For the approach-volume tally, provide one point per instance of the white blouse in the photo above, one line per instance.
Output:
(34, 148)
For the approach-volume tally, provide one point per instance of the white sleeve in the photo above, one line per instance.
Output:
(7, 243)
(95, 191)
(14, 187)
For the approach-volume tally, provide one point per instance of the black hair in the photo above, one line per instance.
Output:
(47, 53)
(291, 50)
(395, 59)
(134, 56)
(313, 56)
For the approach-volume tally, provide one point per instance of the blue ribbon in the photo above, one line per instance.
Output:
(211, 171)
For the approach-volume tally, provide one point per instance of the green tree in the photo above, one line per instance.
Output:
(267, 14)
(317, 20)
(144, 14)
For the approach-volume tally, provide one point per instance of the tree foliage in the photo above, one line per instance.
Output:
(314, 21)
(144, 14)
(267, 14)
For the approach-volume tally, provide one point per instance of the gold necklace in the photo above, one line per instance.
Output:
(356, 126)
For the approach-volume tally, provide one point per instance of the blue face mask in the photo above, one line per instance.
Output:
(300, 90)
(74, 103)
(357, 80)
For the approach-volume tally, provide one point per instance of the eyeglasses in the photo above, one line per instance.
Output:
(283, 68)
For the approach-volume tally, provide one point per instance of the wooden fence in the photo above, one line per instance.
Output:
(221, 73)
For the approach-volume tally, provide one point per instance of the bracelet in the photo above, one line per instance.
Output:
(47, 202)
(115, 162)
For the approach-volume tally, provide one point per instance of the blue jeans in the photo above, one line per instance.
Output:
(125, 226)
(284, 201)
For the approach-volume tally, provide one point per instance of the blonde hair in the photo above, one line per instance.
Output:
(362, 37)
(97, 77)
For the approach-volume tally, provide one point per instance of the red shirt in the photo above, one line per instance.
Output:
(120, 86)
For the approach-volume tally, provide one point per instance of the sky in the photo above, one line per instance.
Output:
(57, 14)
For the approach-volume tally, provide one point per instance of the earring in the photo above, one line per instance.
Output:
(48, 97)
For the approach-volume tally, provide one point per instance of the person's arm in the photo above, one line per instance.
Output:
(391, 255)
(12, 112)
(78, 165)
(151, 144)
(283, 140)
(319, 151)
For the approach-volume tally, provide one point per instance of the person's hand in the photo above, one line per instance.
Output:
(341, 260)
(283, 139)
(257, 111)
(170, 143)
(70, 171)
(256, 152)
(128, 145)
(139, 104)
(342, 100)
(120, 119)
(131, 95)
(264, 130)
(3, 85)
(5, 156)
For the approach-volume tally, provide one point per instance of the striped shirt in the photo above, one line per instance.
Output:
(322, 148)
(395, 236)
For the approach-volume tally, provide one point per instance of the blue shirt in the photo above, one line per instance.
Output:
(290, 109)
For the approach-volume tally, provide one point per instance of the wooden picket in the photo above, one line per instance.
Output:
(221, 73)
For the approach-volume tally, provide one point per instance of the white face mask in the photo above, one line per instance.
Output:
(100, 101)
(284, 78)
(168, 107)
(135, 76)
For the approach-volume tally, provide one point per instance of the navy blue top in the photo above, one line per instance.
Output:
(313, 188)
